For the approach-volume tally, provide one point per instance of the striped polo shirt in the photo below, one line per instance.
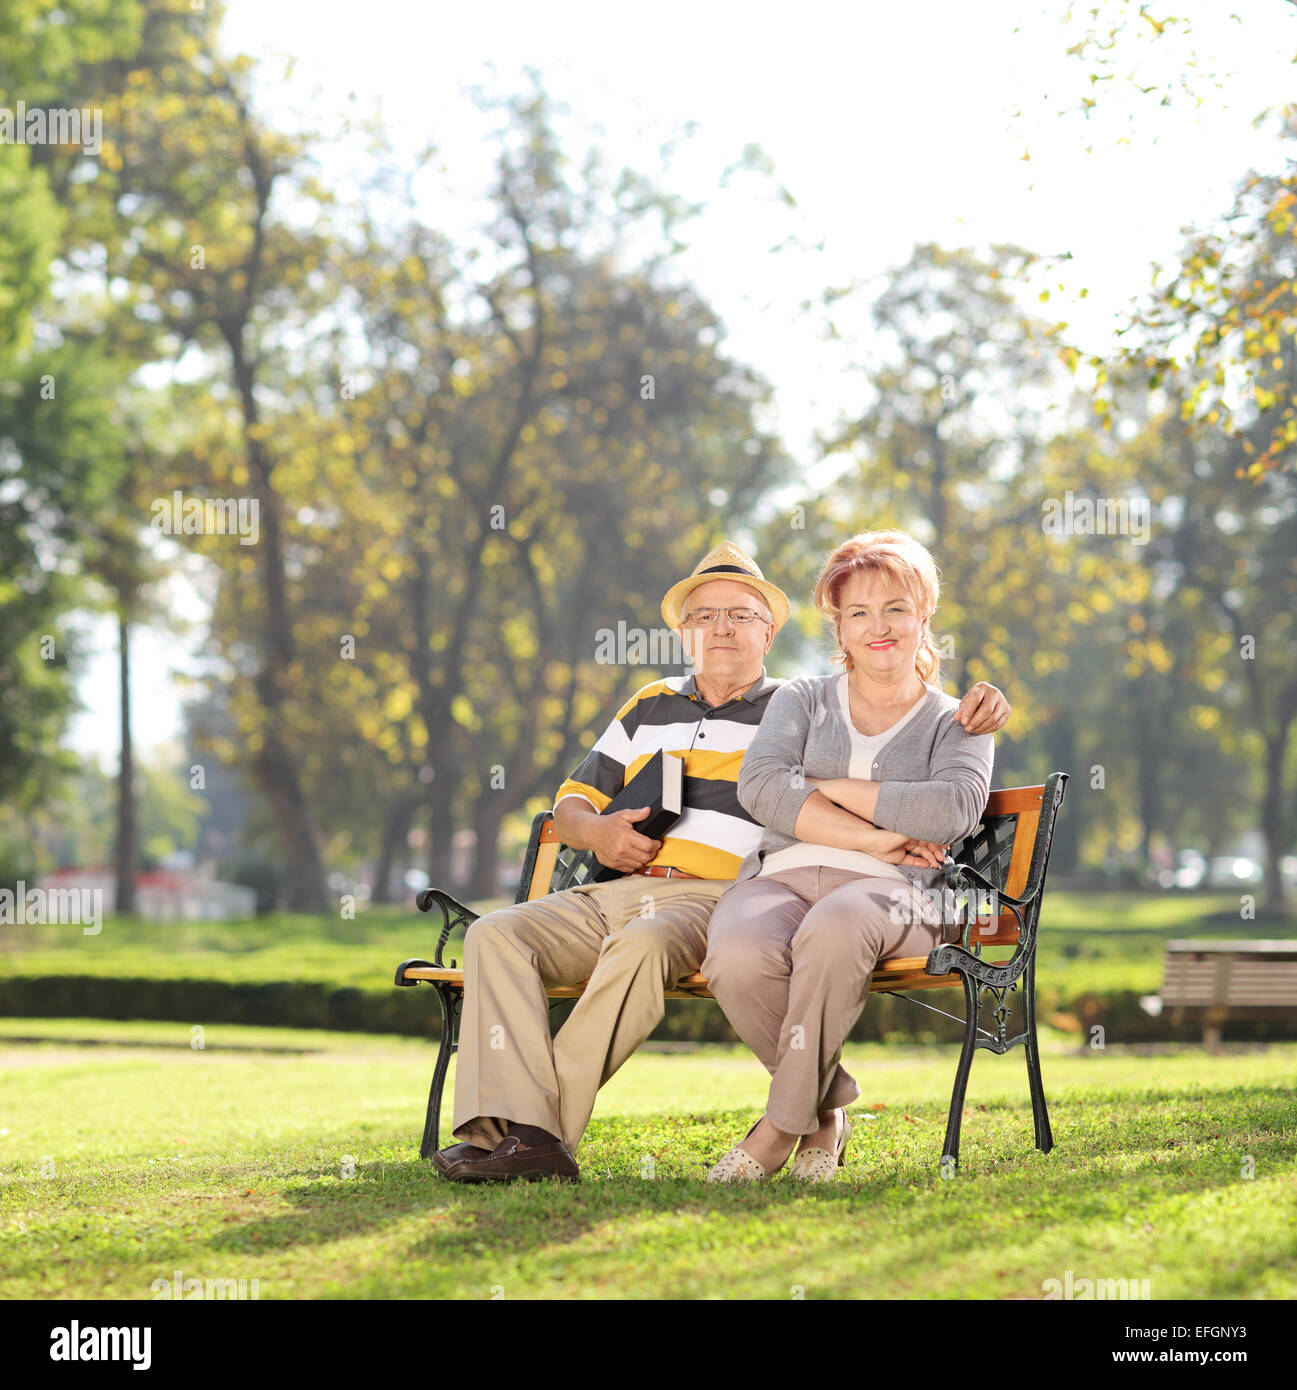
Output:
(714, 834)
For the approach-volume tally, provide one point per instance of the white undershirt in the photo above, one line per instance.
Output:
(863, 767)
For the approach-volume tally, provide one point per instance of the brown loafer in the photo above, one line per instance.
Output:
(444, 1159)
(512, 1159)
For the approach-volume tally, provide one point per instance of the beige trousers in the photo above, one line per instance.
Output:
(789, 958)
(632, 937)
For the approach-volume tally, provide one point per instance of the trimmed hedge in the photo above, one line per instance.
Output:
(288, 1003)
(414, 1012)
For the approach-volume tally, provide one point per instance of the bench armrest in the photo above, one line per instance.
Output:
(409, 964)
(963, 876)
(453, 915)
(957, 876)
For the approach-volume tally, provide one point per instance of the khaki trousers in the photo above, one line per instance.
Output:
(789, 958)
(632, 937)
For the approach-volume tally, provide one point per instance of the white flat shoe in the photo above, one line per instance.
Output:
(817, 1164)
(738, 1165)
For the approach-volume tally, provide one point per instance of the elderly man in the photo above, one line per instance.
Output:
(522, 1099)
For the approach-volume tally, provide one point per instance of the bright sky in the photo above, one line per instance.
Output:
(889, 124)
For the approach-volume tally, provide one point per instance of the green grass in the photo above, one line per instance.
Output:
(228, 1163)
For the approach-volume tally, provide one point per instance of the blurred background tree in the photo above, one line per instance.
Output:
(472, 456)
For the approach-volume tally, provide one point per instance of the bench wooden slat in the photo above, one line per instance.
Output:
(1024, 841)
(1002, 932)
(1010, 800)
(1252, 969)
(546, 857)
(1281, 950)
(901, 972)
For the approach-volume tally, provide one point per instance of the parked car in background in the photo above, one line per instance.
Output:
(1189, 871)
(1233, 871)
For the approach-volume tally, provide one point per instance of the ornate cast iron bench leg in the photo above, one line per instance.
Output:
(452, 1001)
(951, 1147)
(1039, 1110)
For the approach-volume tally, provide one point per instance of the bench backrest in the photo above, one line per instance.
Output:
(1238, 973)
(1010, 846)
(550, 866)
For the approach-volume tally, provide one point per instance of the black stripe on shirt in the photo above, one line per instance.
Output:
(671, 707)
(714, 794)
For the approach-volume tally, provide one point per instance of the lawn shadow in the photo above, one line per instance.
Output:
(992, 1178)
(998, 1173)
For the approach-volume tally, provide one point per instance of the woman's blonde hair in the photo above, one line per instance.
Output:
(899, 556)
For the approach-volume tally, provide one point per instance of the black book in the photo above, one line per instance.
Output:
(659, 785)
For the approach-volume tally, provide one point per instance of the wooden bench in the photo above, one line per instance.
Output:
(1226, 979)
(995, 887)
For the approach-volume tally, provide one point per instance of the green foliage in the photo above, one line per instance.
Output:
(45, 48)
(460, 466)
(30, 225)
(34, 654)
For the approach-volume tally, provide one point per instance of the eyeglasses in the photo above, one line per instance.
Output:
(705, 617)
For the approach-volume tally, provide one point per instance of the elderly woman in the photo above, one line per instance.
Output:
(863, 779)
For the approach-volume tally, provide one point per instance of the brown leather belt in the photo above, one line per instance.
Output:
(658, 871)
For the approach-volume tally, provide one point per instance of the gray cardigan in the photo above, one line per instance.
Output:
(936, 777)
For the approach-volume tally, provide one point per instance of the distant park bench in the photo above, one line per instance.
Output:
(1000, 868)
(1220, 980)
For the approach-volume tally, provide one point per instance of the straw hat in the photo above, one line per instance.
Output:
(725, 561)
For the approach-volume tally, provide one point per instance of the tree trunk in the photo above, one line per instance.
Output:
(441, 829)
(1148, 757)
(1061, 739)
(127, 837)
(394, 836)
(485, 880)
(276, 767)
(1272, 820)
(937, 496)
(277, 777)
